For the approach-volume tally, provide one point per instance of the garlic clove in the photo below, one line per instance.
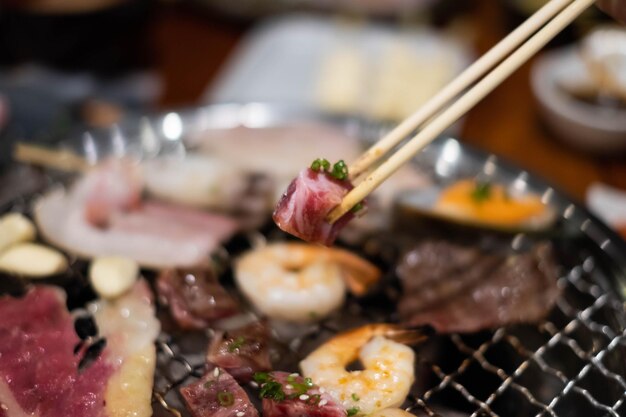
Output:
(112, 276)
(32, 260)
(15, 228)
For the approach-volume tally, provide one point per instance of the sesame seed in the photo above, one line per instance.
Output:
(254, 384)
(241, 414)
(216, 372)
(288, 386)
(295, 374)
(323, 403)
(304, 397)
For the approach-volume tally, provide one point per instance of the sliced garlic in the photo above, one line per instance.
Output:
(32, 260)
(15, 228)
(112, 276)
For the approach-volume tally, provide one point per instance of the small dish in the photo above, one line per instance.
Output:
(432, 204)
(586, 126)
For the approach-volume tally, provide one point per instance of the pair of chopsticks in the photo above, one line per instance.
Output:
(511, 53)
(61, 160)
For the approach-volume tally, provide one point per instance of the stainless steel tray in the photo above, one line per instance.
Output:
(572, 364)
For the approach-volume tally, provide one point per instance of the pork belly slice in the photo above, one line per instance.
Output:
(299, 402)
(303, 208)
(195, 297)
(242, 351)
(130, 327)
(102, 214)
(114, 186)
(461, 289)
(217, 394)
(42, 376)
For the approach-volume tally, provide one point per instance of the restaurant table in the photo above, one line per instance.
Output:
(192, 45)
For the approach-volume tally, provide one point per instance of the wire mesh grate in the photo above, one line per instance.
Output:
(574, 360)
(573, 363)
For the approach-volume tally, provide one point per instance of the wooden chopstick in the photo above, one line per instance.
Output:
(61, 160)
(457, 85)
(457, 109)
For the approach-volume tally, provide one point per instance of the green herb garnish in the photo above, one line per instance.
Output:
(269, 387)
(481, 192)
(340, 171)
(272, 390)
(353, 411)
(208, 384)
(236, 344)
(226, 398)
(358, 207)
(320, 163)
(261, 377)
(355, 397)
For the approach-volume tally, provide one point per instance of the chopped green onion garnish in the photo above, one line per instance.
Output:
(340, 170)
(261, 377)
(353, 411)
(355, 397)
(481, 192)
(226, 398)
(236, 344)
(300, 387)
(358, 207)
(208, 384)
(272, 390)
(320, 163)
(308, 382)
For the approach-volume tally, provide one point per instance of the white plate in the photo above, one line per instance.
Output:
(287, 60)
(586, 126)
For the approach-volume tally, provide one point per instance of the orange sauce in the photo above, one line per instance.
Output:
(496, 207)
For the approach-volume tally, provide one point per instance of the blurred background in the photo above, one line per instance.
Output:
(70, 65)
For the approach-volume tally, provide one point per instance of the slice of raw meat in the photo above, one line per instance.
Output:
(102, 215)
(298, 397)
(217, 394)
(242, 351)
(195, 297)
(303, 209)
(46, 371)
(461, 289)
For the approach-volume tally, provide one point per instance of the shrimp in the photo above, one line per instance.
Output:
(300, 282)
(388, 367)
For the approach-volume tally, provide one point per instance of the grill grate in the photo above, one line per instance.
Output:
(592, 359)
(570, 364)
(573, 363)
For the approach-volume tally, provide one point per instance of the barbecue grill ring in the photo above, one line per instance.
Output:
(574, 363)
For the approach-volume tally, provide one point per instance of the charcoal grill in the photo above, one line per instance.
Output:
(571, 364)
